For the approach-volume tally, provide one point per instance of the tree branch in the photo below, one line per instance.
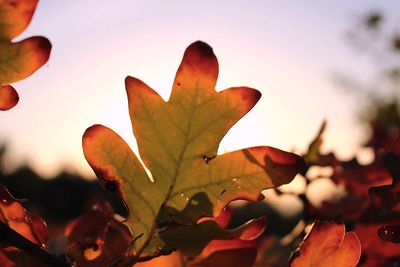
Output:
(13, 238)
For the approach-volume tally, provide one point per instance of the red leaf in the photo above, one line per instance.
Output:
(96, 238)
(8, 97)
(17, 218)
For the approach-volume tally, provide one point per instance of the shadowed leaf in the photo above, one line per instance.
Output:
(174, 259)
(17, 218)
(244, 257)
(376, 249)
(390, 233)
(388, 196)
(191, 239)
(96, 238)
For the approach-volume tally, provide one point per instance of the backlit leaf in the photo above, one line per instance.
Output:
(18, 60)
(15, 16)
(178, 142)
(327, 244)
(313, 156)
(8, 97)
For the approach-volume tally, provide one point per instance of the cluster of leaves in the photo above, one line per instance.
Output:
(178, 198)
(366, 205)
(18, 60)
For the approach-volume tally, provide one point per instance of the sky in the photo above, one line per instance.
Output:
(288, 50)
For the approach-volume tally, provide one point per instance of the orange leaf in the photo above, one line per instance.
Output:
(8, 97)
(25, 56)
(172, 260)
(15, 16)
(18, 60)
(327, 244)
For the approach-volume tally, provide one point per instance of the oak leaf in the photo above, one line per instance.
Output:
(327, 244)
(178, 142)
(20, 59)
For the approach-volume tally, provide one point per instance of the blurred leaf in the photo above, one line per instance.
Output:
(12, 257)
(178, 142)
(96, 238)
(17, 218)
(376, 251)
(231, 258)
(328, 244)
(8, 97)
(388, 196)
(357, 178)
(172, 260)
(373, 20)
(313, 153)
(396, 43)
(390, 233)
(191, 239)
(313, 156)
(274, 253)
(347, 207)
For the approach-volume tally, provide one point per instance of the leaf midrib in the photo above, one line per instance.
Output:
(174, 177)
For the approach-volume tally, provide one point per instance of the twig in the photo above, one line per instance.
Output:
(13, 238)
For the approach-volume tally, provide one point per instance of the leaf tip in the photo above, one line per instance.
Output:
(43, 46)
(199, 56)
(91, 131)
(44, 43)
(202, 48)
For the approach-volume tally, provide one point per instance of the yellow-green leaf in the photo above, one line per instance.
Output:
(178, 142)
(20, 60)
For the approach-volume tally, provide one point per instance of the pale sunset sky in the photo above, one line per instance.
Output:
(288, 50)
